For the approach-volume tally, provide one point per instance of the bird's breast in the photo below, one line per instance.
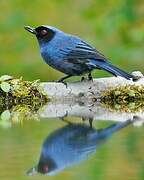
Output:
(51, 56)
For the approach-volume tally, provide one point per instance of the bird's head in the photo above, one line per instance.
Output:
(43, 33)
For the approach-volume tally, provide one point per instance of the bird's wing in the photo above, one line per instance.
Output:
(83, 53)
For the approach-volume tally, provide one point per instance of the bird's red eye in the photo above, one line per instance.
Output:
(45, 168)
(43, 32)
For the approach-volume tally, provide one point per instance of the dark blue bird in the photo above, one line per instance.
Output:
(70, 145)
(70, 54)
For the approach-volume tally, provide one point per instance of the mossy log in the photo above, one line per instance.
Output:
(97, 88)
(112, 98)
(114, 91)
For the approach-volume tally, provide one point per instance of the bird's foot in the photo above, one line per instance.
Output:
(63, 118)
(136, 75)
(136, 78)
(90, 78)
(63, 82)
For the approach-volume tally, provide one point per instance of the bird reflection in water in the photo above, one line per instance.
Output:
(70, 145)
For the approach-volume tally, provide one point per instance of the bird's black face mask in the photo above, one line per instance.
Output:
(42, 33)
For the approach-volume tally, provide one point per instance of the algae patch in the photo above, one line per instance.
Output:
(127, 98)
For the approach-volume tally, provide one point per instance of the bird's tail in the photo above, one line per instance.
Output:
(116, 71)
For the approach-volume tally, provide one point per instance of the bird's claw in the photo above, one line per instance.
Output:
(63, 82)
(90, 78)
(65, 120)
(136, 78)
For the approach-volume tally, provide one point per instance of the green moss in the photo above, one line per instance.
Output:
(18, 114)
(126, 98)
(14, 92)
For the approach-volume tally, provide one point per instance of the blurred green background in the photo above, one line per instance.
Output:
(116, 28)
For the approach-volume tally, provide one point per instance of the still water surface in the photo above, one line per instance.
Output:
(63, 150)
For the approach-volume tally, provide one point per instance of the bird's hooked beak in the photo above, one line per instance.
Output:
(30, 29)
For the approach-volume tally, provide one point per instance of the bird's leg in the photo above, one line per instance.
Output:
(83, 119)
(90, 78)
(63, 78)
(63, 118)
(90, 122)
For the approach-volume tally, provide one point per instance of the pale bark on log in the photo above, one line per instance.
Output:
(87, 88)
